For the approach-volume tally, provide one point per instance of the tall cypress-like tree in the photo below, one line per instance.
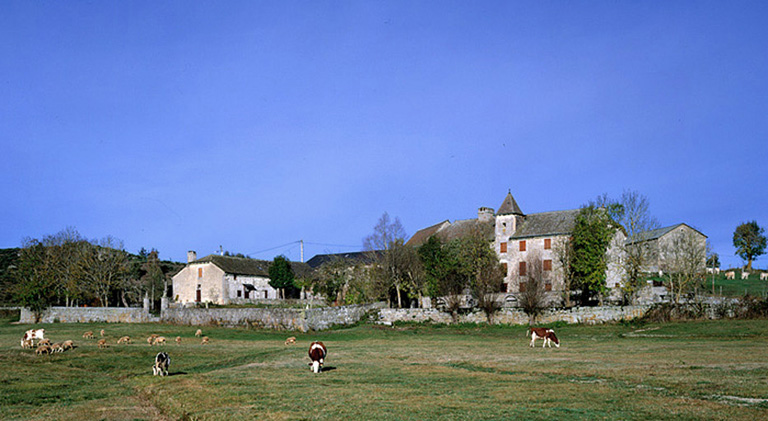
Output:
(591, 237)
(281, 276)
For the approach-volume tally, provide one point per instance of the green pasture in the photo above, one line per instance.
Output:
(694, 370)
(737, 287)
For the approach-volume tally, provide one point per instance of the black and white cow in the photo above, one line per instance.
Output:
(317, 353)
(548, 335)
(162, 362)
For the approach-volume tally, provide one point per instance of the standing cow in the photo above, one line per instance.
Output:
(162, 362)
(317, 353)
(31, 335)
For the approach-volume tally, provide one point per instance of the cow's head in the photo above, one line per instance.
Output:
(551, 336)
(316, 366)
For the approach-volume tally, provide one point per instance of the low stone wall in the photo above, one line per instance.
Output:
(89, 315)
(512, 316)
(272, 318)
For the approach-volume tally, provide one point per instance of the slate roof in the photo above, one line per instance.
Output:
(253, 267)
(547, 223)
(448, 231)
(365, 257)
(423, 235)
(657, 233)
(509, 206)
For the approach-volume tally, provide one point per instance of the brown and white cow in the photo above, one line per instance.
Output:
(548, 335)
(33, 334)
(317, 353)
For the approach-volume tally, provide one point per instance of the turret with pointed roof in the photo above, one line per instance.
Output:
(509, 206)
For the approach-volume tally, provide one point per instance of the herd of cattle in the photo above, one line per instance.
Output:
(317, 350)
(731, 274)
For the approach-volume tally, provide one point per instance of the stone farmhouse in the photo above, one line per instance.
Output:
(520, 238)
(663, 243)
(226, 279)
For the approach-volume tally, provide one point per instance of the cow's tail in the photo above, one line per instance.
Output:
(528, 332)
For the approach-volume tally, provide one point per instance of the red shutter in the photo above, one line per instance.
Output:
(547, 243)
(522, 268)
(503, 247)
(522, 245)
(547, 265)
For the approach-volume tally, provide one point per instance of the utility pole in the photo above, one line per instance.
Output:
(302, 250)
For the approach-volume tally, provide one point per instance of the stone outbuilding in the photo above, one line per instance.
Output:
(226, 279)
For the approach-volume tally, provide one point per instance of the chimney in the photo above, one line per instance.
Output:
(485, 214)
(191, 256)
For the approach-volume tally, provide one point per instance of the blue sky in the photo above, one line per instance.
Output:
(251, 125)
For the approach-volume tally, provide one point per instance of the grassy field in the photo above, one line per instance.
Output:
(712, 370)
(737, 287)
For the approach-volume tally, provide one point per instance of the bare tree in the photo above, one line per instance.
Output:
(104, 266)
(385, 233)
(684, 263)
(637, 220)
(532, 296)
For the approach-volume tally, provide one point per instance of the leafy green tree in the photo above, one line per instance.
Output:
(332, 277)
(34, 288)
(750, 242)
(713, 260)
(281, 276)
(592, 235)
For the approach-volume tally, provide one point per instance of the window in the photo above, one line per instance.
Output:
(547, 287)
(239, 293)
(547, 243)
(522, 245)
(547, 264)
(503, 287)
(199, 272)
(503, 247)
(265, 295)
(504, 267)
(523, 286)
(521, 270)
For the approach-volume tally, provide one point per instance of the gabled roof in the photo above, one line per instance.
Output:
(547, 223)
(509, 206)
(423, 235)
(657, 233)
(365, 257)
(244, 266)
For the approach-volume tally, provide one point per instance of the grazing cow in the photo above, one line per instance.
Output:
(763, 276)
(33, 334)
(102, 343)
(162, 362)
(744, 275)
(159, 340)
(151, 338)
(205, 341)
(199, 333)
(291, 341)
(124, 340)
(317, 353)
(548, 335)
(68, 345)
(43, 349)
(730, 275)
(88, 335)
(178, 340)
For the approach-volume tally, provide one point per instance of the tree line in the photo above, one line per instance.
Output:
(67, 269)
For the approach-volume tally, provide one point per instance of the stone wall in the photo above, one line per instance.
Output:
(512, 316)
(89, 315)
(272, 318)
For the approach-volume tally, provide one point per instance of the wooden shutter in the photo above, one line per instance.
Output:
(199, 272)
(503, 247)
(547, 243)
(522, 269)
(547, 265)
(522, 245)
